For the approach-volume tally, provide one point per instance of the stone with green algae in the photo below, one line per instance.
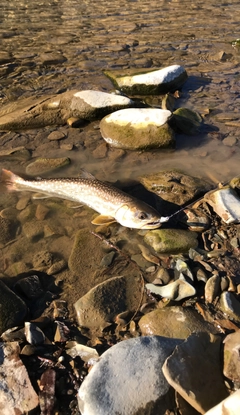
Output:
(171, 241)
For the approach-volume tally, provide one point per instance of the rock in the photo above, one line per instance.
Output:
(17, 153)
(225, 203)
(58, 109)
(46, 165)
(174, 186)
(99, 307)
(212, 288)
(229, 406)
(194, 368)
(151, 82)
(176, 290)
(30, 287)
(17, 395)
(231, 353)
(230, 305)
(175, 322)
(12, 308)
(34, 334)
(187, 121)
(7, 230)
(138, 129)
(33, 230)
(56, 135)
(42, 259)
(106, 390)
(171, 240)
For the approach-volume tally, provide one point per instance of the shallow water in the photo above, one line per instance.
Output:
(52, 46)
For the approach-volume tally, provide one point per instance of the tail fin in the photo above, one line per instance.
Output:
(9, 179)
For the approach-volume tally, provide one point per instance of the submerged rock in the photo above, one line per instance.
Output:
(99, 307)
(17, 395)
(57, 109)
(194, 369)
(12, 308)
(171, 240)
(174, 186)
(46, 165)
(128, 379)
(187, 121)
(138, 129)
(151, 82)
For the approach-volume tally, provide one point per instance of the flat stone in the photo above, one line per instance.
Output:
(194, 369)
(138, 129)
(230, 305)
(174, 322)
(128, 379)
(17, 395)
(151, 82)
(99, 307)
(12, 308)
(176, 290)
(45, 165)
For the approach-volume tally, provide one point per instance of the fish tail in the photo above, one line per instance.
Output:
(10, 180)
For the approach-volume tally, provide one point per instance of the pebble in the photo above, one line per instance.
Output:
(230, 305)
(34, 334)
(212, 288)
(177, 290)
(231, 353)
(56, 135)
(106, 389)
(46, 165)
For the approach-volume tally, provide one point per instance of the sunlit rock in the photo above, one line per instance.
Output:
(231, 353)
(138, 129)
(226, 204)
(187, 121)
(176, 290)
(155, 81)
(128, 379)
(229, 406)
(17, 395)
(171, 240)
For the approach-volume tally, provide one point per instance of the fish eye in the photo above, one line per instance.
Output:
(142, 215)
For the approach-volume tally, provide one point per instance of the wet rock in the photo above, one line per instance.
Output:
(87, 354)
(230, 305)
(226, 204)
(17, 153)
(42, 259)
(17, 394)
(194, 368)
(176, 290)
(33, 230)
(57, 267)
(229, 406)
(34, 334)
(171, 240)
(105, 390)
(7, 230)
(175, 322)
(57, 109)
(231, 353)
(51, 58)
(12, 308)
(151, 82)
(45, 165)
(99, 307)
(174, 186)
(56, 135)
(30, 287)
(187, 121)
(138, 129)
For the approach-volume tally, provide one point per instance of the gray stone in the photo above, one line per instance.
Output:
(151, 82)
(175, 322)
(99, 307)
(128, 379)
(212, 288)
(138, 129)
(194, 369)
(230, 305)
(17, 395)
(12, 308)
(171, 240)
(176, 290)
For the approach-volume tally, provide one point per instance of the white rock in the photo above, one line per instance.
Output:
(17, 395)
(229, 406)
(176, 290)
(128, 379)
(98, 99)
(225, 203)
(160, 76)
(139, 117)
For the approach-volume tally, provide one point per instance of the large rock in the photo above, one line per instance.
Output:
(128, 379)
(175, 322)
(138, 129)
(231, 353)
(229, 406)
(156, 81)
(96, 309)
(17, 395)
(12, 308)
(175, 186)
(171, 241)
(57, 109)
(194, 371)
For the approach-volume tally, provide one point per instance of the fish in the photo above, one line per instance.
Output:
(112, 204)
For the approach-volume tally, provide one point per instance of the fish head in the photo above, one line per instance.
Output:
(138, 215)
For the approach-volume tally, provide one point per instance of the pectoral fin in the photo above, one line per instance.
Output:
(103, 220)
